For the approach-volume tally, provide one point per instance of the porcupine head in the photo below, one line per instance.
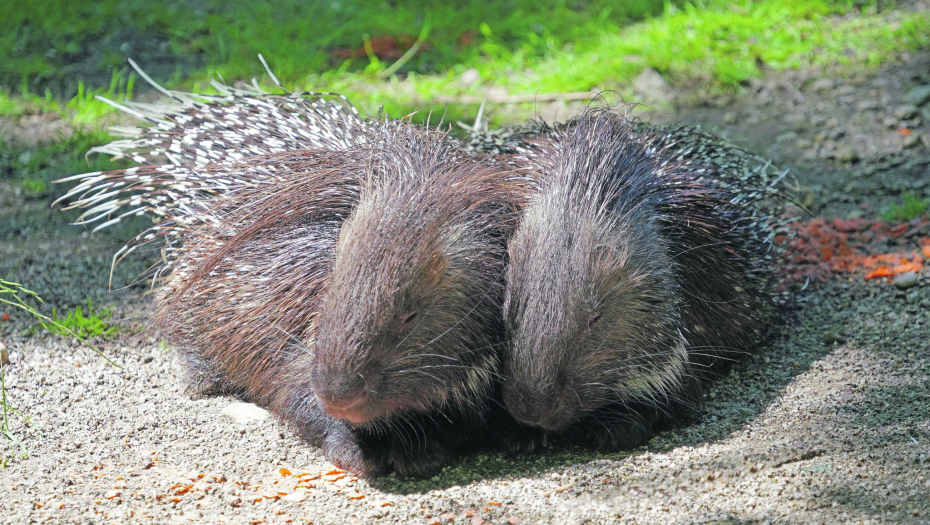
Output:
(410, 325)
(591, 302)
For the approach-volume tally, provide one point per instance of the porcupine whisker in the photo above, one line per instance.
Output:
(495, 374)
(422, 355)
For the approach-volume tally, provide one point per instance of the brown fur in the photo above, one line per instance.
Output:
(411, 322)
(627, 269)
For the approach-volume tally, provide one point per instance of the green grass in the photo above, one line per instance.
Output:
(912, 208)
(93, 323)
(527, 46)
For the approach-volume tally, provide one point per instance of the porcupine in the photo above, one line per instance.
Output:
(635, 268)
(428, 300)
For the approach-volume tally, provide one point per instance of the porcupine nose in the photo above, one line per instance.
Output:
(551, 407)
(347, 398)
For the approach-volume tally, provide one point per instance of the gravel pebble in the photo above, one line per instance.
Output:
(918, 95)
(905, 280)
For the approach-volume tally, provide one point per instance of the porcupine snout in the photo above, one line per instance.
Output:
(552, 406)
(347, 395)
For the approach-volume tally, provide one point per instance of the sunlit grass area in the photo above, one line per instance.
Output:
(62, 51)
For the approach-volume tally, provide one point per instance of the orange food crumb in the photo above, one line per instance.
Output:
(881, 271)
(5, 316)
(908, 267)
(285, 472)
(925, 250)
(904, 132)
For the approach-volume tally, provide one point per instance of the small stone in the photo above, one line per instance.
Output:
(847, 154)
(867, 105)
(906, 111)
(918, 95)
(823, 84)
(4, 355)
(730, 117)
(245, 412)
(831, 122)
(652, 86)
(912, 140)
(845, 90)
(295, 496)
(905, 280)
(469, 77)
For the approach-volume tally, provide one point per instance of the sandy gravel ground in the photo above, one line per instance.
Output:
(828, 423)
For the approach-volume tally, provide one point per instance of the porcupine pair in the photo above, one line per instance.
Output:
(384, 290)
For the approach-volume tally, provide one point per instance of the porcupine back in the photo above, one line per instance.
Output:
(755, 212)
(190, 131)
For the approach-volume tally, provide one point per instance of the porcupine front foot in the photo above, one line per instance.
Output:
(370, 455)
(418, 449)
(364, 455)
(512, 437)
(420, 460)
(633, 424)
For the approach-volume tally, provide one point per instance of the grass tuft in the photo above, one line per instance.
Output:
(912, 208)
(92, 324)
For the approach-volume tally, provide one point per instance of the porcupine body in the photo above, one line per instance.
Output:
(412, 283)
(634, 271)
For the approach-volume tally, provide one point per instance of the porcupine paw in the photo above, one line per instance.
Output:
(421, 459)
(351, 452)
(616, 437)
(519, 439)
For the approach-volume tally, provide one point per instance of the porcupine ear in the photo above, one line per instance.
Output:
(406, 321)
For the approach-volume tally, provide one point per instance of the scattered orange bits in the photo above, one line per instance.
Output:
(881, 271)
(914, 266)
(823, 248)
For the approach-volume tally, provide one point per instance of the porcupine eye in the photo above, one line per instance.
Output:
(406, 321)
(593, 320)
